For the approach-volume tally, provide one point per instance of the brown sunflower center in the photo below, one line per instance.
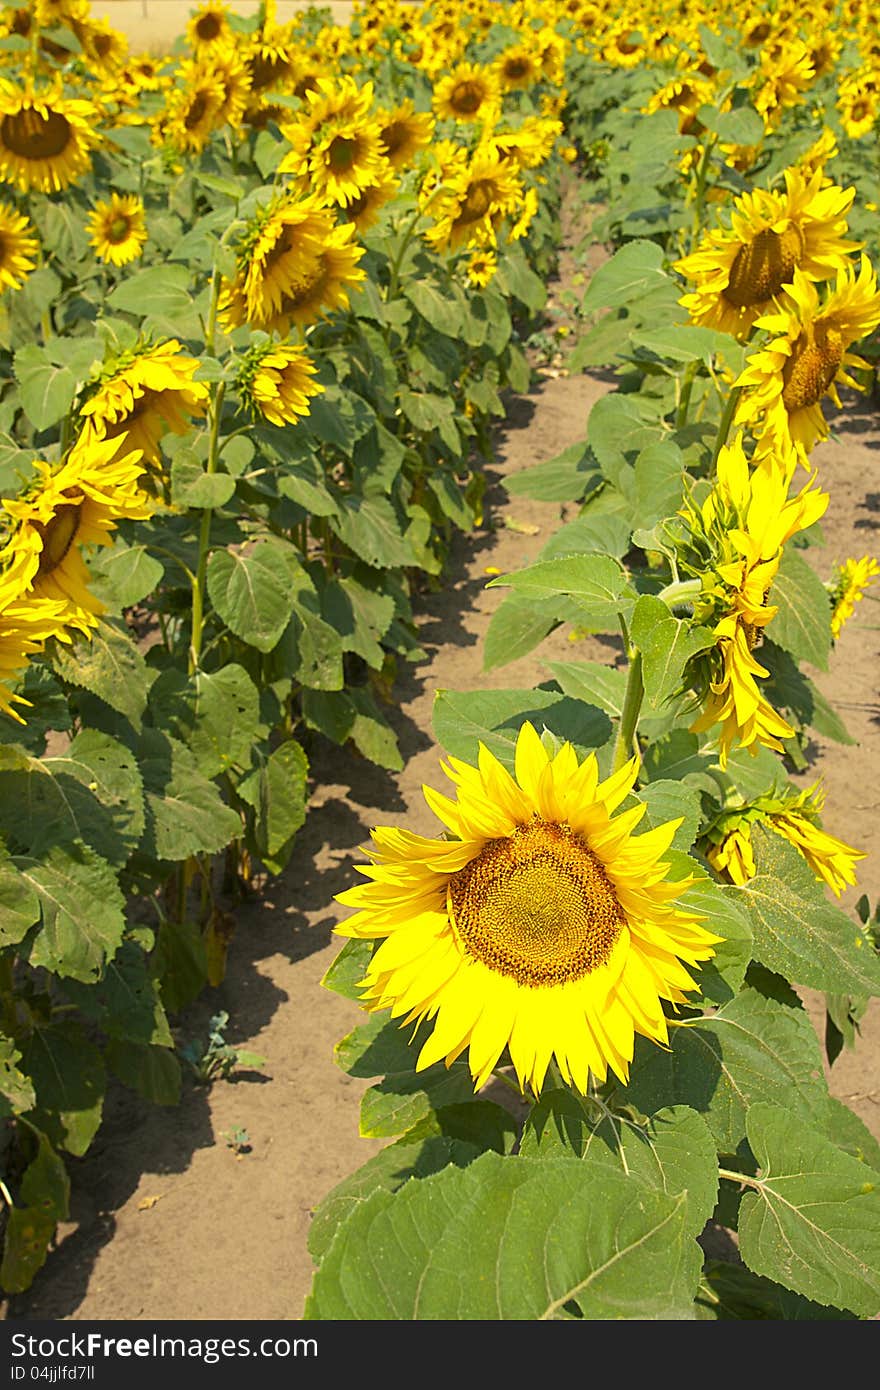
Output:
(342, 153)
(515, 69)
(196, 112)
(394, 137)
(31, 135)
(477, 202)
(467, 98)
(118, 229)
(58, 536)
(537, 905)
(812, 366)
(208, 26)
(763, 266)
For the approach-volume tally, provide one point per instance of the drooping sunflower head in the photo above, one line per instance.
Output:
(364, 210)
(46, 138)
(105, 47)
(541, 924)
(142, 396)
(19, 248)
(468, 93)
(276, 380)
(77, 503)
(117, 229)
(26, 623)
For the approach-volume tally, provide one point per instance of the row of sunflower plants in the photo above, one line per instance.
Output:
(259, 305)
(587, 1046)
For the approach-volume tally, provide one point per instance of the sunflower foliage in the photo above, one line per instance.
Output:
(260, 301)
(602, 1094)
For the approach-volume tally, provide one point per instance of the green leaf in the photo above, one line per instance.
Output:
(730, 1291)
(45, 1192)
(446, 315)
(667, 644)
(630, 274)
(741, 127)
(668, 801)
(464, 719)
(83, 911)
(154, 1072)
(216, 714)
(533, 1245)
(47, 390)
(813, 1223)
(92, 794)
(599, 685)
(191, 486)
(673, 1151)
(403, 1097)
(251, 591)
(658, 483)
(69, 1079)
(802, 625)
(370, 528)
(186, 814)
(19, 903)
(123, 575)
(798, 932)
(348, 969)
(353, 714)
(180, 963)
(753, 1049)
(518, 624)
(16, 1089)
(125, 1001)
(596, 583)
(156, 290)
(108, 664)
(721, 977)
(566, 478)
(277, 791)
(684, 343)
(617, 433)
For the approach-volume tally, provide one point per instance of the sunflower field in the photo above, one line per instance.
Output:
(262, 303)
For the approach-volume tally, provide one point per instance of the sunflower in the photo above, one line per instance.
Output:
(740, 272)
(234, 79)
(474, 200)
(293, 264)
(364, 210)
(481, 267)
(739, 534)
(19, 248)
(25, 624)
(117, 229)
(403, 132)
(784, 74)
(468, 93)
(853, 578)
(517, 68)
(784, 382)
(684, 94)
(208, 30)
(143, 396)
(530, 145)
(193, 109)
(793, 815)
(77, 504)
(45, 138)
(105, 47)
(275, 380)
(858, 106)
(336, 149)
(542, 925)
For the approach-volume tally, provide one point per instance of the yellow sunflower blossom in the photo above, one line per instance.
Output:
(859, 107)
(684, 94)
(517, 68)
(364, 210)
(468, 93)
(481, 267)
(784, 382)
(194, 106)
(530, 145)
(853, 578)
(143, 396)
(336, 149)
(471, 203)
(403, 132)
(744, 524)
(294, 264)
(76, 504)
(209, 30)
(784, 74)
(794, 816)
(19, 248)
(26, 624)
(542, 925)
(46, 139)
(275, 380)
(117, 230)
(740, 272)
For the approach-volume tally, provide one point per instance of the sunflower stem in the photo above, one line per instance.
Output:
(506, 1081)
(680, 591)
(725, 423)
(199, 584)
(629, 717)
(684, 400)
(745, 1178)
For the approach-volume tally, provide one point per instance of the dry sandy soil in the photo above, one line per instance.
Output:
(168, 1221)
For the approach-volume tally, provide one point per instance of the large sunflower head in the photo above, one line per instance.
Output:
(468, 93)
(46, 138)
(25, 624)
(117, 229)
(474, 200)
(209, 30)
(19, 248)
(276, 380)
(145, 394)
(540, 924)
(194, 107)
(79, 503)
(785, 381)
(740, 272)
(403, 132)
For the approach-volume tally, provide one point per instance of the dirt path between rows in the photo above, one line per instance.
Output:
(169, 1221)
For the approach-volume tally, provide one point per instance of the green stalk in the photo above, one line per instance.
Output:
(199, 584)
(681, 591)
(687, 387)
(629, 718)
(725, 423)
